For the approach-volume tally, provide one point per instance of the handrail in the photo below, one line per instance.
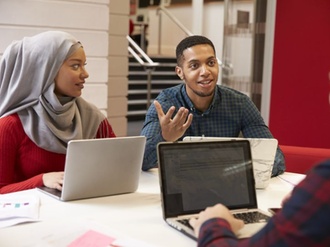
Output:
(148, 64)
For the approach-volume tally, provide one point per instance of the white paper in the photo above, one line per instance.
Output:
(291, 179)
(15, 209)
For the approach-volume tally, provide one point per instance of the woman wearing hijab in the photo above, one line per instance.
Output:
(41, 79)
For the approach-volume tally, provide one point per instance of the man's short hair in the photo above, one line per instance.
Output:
(188, 42)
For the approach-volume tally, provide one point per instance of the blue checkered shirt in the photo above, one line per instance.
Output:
(230, 114)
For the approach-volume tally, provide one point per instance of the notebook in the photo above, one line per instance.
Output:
(263, 155)
(101, 167)
(195, 175)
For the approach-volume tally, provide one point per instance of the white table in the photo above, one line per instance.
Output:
(137, 215)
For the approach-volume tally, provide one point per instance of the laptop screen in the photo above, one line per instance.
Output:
(195, 175)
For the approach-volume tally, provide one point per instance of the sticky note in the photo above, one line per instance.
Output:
(92, 239)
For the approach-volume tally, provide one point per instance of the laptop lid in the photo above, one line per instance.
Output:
(263, 154)
(195, 175)
(102, 167)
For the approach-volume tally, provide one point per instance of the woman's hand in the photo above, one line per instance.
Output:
(53, 180)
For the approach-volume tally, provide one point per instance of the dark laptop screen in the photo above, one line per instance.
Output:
(195, 175)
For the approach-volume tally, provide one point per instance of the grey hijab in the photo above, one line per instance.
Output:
(27, 71)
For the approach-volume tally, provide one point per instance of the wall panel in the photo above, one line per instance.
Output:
(67, 14)
(299, 109)
(89, 21)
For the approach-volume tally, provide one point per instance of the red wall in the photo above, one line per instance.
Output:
(300, 110)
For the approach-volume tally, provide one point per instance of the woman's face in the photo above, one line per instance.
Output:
(71, 77)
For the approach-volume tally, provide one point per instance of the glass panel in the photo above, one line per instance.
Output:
(243, 46)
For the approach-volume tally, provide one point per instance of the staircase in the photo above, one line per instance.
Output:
(162, 77)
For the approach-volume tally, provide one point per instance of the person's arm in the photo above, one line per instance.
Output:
(152, 131)
(14, 148)
(31, 183)
(160, 126)
(217, 232)
(216, 226)
(304, 218)
(10, 136)
(253, 126)
(150, 152)
(279, 163)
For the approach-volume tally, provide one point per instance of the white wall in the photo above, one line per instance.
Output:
(118, 65)
(171, 34)
(101, 25)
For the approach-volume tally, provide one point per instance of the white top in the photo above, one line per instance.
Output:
(136, 216)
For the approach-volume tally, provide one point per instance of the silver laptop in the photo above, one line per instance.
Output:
(263, 155)
(101, 167)
(196, 175)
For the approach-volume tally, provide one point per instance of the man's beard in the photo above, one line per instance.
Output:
(201, 94)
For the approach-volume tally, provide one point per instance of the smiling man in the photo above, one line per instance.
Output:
(199, 106)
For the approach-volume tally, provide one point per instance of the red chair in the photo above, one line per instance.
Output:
(302, 159)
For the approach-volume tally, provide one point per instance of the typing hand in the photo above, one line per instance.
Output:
(173, 129)
(53, 180)
(217, 211)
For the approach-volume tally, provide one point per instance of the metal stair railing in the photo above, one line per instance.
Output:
(145, 61)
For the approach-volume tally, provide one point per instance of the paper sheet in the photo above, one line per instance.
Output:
(92, 239)
(15, 209)
(291, 179)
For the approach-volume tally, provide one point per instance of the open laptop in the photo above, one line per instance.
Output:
(263, 155)
(195, 175)
(101, 167)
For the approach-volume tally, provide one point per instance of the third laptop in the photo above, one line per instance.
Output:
(196, 175)
(263, 155)
(100, 167)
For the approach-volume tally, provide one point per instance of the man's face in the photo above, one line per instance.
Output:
(199, 70)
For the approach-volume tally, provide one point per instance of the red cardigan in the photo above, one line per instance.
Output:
(23, 163)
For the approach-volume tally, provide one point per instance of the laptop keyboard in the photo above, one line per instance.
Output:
(247, 217)
(252, 217)
(186, 223)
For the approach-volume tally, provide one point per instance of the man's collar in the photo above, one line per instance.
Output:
(215, 100)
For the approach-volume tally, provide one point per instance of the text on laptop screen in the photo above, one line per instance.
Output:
(198, 175)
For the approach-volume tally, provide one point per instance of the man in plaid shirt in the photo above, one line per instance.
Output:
(303, 221)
